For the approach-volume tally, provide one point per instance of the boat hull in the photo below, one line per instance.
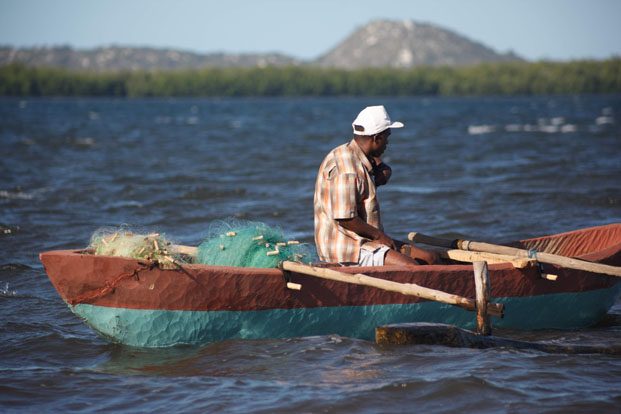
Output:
(162, 328)
(132, 302)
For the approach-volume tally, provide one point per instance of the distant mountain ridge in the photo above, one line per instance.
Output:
(381, 43)
(115, 58)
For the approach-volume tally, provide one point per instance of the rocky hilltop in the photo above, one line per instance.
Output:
(381, 43)
(406, 44)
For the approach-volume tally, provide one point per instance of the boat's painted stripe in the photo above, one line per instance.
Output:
(158, 328)
(125, 283)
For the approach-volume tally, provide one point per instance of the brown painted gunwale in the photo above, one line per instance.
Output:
(215, 288)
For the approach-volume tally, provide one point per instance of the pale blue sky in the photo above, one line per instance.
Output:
(534, 29)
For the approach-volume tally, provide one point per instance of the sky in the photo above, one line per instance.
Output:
(534, 29)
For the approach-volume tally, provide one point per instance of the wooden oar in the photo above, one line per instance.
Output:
(543, 257)
(490, 258)
(410, 289)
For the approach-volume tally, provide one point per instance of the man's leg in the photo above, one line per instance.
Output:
(394, 258)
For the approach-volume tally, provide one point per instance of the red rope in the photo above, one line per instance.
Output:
(108, 287)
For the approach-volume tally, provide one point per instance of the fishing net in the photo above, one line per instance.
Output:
(229, 242)
(243, 243)
(122, 241)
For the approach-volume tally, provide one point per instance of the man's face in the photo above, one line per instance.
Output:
(380, 142)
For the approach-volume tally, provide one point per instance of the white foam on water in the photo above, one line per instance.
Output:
(15, 195)
(6, 291)
(480, 129)
(604, 120)
(568, 128)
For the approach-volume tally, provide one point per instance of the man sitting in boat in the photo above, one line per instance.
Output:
(348, 228)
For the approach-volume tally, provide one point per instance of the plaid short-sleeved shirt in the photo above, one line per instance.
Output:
(344, 189)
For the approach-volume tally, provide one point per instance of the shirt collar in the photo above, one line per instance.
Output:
(363, 157)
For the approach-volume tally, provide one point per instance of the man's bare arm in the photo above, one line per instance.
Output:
(360, 227)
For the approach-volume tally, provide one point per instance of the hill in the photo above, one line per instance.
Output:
(407, 44)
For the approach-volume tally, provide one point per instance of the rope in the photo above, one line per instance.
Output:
(532, 253)
(108, 287)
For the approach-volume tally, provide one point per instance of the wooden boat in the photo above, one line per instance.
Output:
(137, 303)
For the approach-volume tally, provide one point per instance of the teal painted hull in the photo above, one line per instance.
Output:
(161, 328)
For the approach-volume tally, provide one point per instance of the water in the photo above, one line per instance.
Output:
(492, 169)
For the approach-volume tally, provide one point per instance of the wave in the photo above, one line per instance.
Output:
(8, 293)
(545, 127)
(14, 266)
(15, 195)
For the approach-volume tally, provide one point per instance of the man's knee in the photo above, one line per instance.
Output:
(394, 258)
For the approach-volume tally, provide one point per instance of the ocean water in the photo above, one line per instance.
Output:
(491, 169)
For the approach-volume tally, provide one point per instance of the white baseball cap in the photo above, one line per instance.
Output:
(373, 120)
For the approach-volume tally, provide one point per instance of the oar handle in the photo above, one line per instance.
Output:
(563, 261)
(433, 241)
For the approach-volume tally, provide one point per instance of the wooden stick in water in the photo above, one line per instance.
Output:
(482, 288)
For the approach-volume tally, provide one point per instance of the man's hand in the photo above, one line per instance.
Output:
(381, 172)
(386, 241)
(360, 227)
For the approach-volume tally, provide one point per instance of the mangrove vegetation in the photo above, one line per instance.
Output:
(537, 78)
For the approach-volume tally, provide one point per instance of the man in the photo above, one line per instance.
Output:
(348, 228)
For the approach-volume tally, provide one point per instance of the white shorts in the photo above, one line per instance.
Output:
(372, 255)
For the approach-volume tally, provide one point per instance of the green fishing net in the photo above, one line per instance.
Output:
(123, 242)
(241, 243)
(229, 242)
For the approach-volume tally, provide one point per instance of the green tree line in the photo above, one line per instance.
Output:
(538, 78)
